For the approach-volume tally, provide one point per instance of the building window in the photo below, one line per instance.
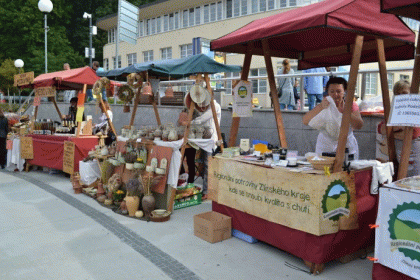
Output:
(165, 23)
(228, 84)
(106, 63)
(158, 25)
(390, 81)
(213, 12)
(244, 7)
(185, 18)
(148, 27)
(166, 53)
(176, 21)
(153, 22)
(254, 6)
(111, 35)
(229, 9)
(259, 86)
(206, 13)
(371, 83)
(236, 8)
(287, 3)
(191, 18)
(270, 4)
(186, 50)
(131, 58)
(119, 62)
(404, 77)
(197, 16)
(141, 28)
(148, 56)
(219, 10)
(262, 5)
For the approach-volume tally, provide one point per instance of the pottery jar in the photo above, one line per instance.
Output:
(132, 203)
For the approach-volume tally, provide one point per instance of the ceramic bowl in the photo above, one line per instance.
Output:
(149, 168)
(129, 166)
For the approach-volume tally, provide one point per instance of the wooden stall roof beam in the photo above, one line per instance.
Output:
(273, 92)
(156, 111)
(56, 108)
(345, 122)
(408, 131)
(385, 99)
(244, 76)
(213, 110)
(79, 126)
(186, 133)
(111, 125)
(136, 104)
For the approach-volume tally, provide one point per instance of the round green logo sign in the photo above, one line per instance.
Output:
(336, 200)
(242, 92)
(404, 229)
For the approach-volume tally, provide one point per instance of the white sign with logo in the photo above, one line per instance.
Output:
(242, 99)
(405, 110)
(397, 243)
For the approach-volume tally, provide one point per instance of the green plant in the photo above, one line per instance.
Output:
(118, 195)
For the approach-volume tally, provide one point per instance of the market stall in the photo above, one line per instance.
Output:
(46, 145)
(399, 268)
(168, 136)
(334, 32)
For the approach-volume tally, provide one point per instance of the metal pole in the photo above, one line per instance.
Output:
(46, 30)
(90, 41)
(117, 39)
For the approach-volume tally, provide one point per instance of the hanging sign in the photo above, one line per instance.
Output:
(405, 110)
(68, 157)
(45, 91)
(23, 79)
(397, 243)
(242, 99)
(26, 148)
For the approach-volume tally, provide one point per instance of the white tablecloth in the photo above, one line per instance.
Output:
(89, 171)
(13, 155)
(205, 144)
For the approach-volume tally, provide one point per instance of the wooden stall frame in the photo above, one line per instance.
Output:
(199, 77)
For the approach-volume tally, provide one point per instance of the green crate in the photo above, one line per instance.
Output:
(188, 201)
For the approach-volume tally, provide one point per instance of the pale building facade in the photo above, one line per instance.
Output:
(167, 29)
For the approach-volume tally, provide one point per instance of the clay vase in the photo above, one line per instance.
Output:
(147, 89)
(169, 92)
(101, 190)
(132, 203)
(148, 204)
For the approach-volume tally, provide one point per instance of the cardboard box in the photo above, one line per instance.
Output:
(212, 226)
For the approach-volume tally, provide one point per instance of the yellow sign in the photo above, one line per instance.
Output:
(23, 79)
(68, 157)
(79, 114)
(45, 91)
(313, 203)
(26, 148)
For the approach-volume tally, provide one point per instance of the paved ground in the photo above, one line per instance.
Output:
(48, 232)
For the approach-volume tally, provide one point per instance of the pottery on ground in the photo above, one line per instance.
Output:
(132, 203)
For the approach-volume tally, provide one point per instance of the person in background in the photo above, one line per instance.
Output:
(296, 94)
(4, 129)
(205, 118)
(325, 80)
(336, 88)
(285, 90)
(68, 94)
(314, 86)
(89, 95)
(400, 87)
(103, 120)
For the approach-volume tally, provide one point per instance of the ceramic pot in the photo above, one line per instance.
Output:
(173, 135)
(104, 151)
(148, 204)
(169, 92)
(132, 203)
(101, 190)
(147, 89)
(129, 166)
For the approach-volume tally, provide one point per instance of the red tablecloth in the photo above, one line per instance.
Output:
(381, 272)
(312, 248)
(49, 149)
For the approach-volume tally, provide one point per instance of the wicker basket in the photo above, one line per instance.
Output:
(319, 164)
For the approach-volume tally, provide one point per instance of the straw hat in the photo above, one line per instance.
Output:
(199, 95)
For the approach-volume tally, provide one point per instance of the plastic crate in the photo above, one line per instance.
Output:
(243, 236)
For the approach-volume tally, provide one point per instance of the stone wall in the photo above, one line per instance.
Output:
(261, 126)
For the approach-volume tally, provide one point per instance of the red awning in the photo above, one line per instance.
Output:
(405, 8)
(323, 34)
(68, 79)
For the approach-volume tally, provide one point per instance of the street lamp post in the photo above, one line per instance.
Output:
(89, 16)
(18, 64)
(46, 7)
